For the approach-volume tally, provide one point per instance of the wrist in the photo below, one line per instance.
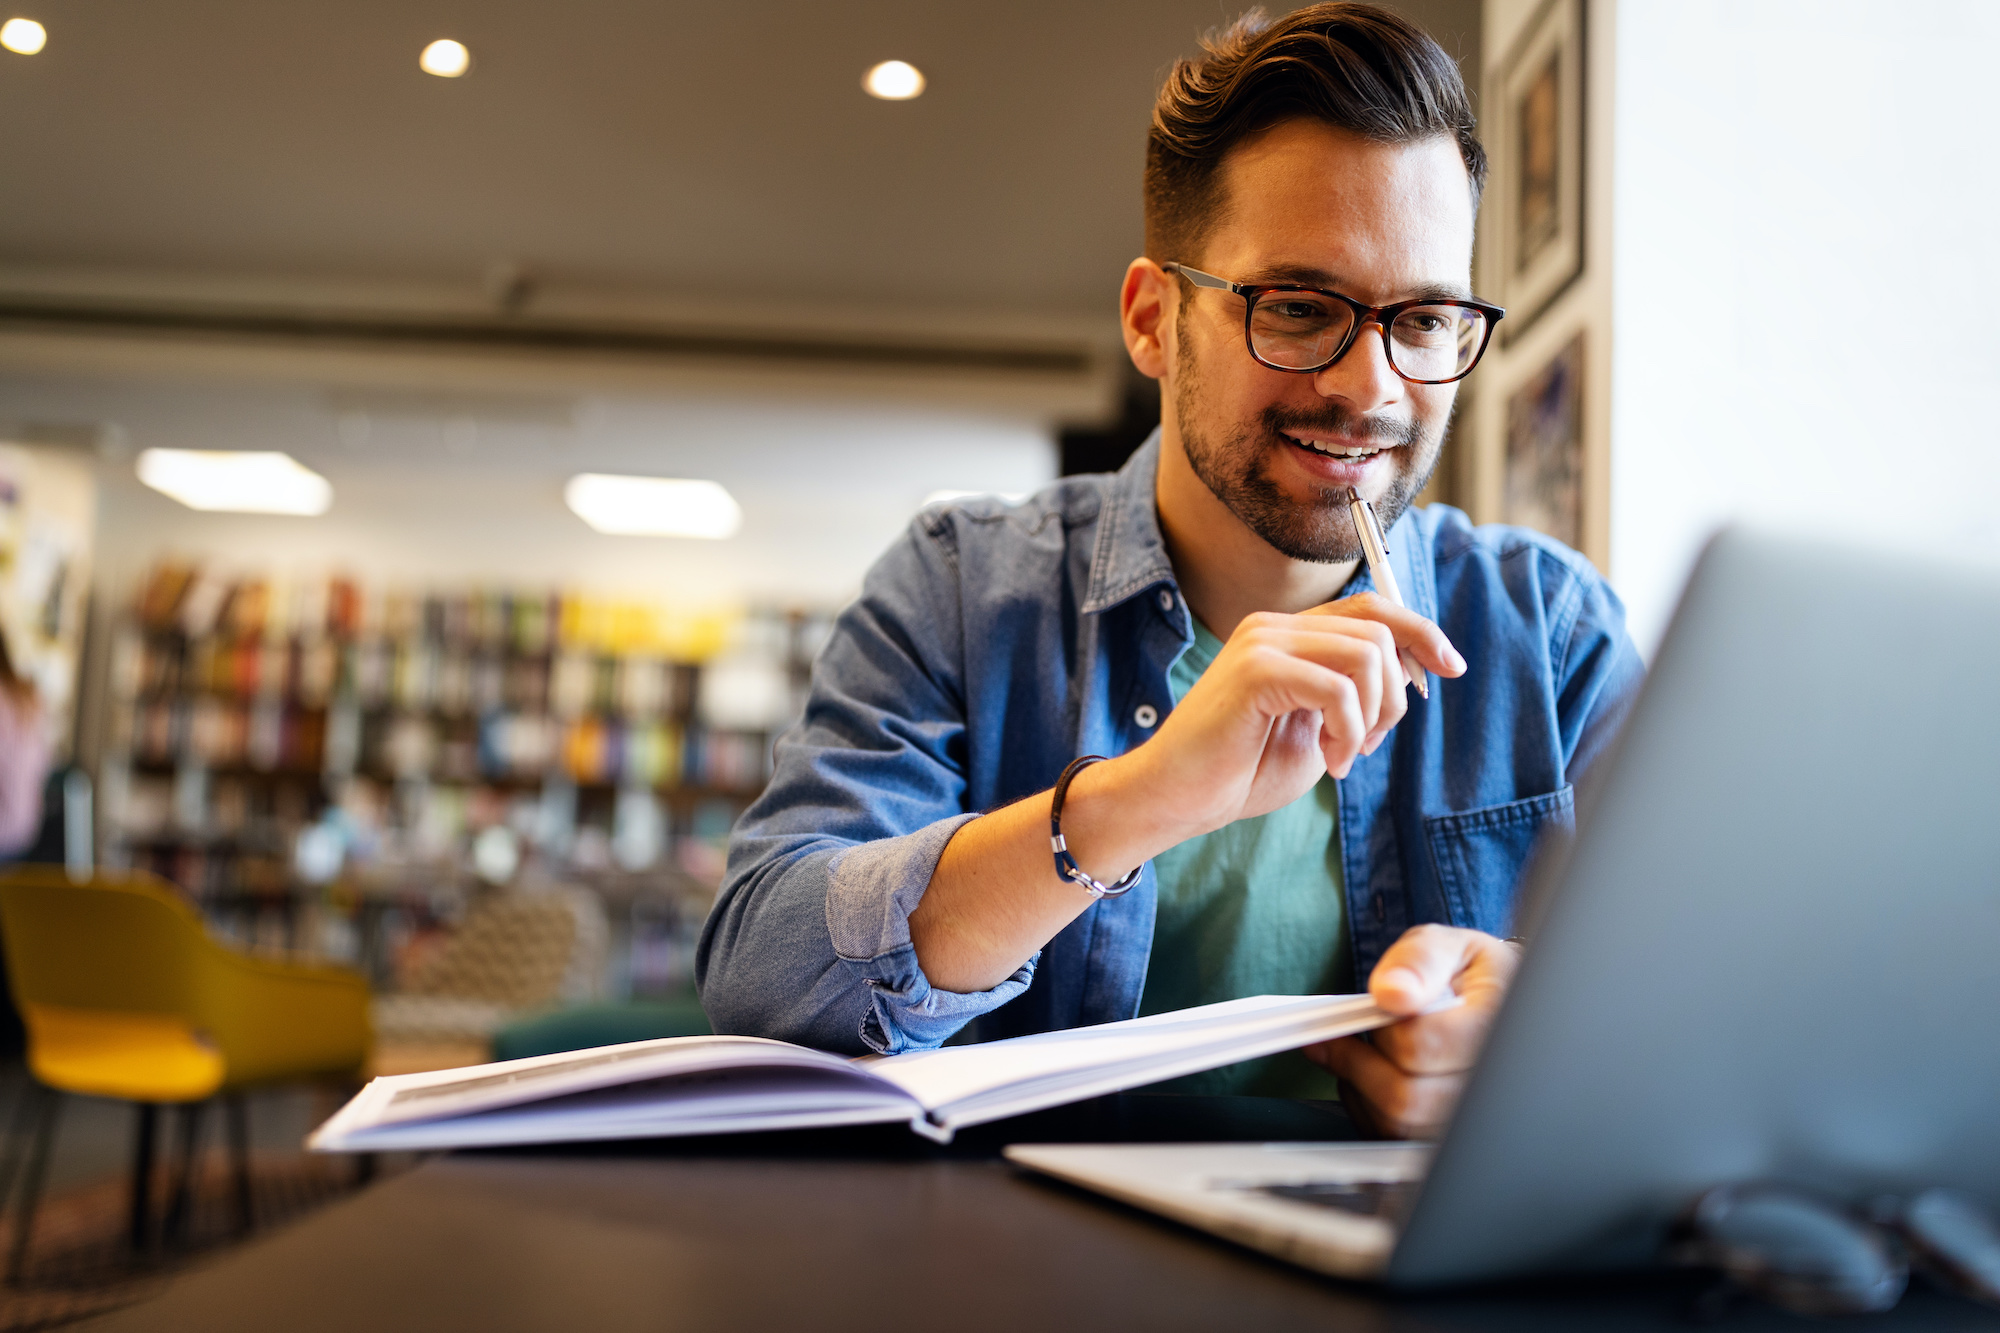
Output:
(1110, 822)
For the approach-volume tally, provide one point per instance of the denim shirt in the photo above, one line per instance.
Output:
(994, 643)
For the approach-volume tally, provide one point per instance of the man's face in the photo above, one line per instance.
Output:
(1309, 204)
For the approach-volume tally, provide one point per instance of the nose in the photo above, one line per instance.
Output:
(1363, 376)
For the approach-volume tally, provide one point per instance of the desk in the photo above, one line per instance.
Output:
(868, 1229)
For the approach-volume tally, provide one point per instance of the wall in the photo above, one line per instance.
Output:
(1806, 274)
(1585, 304)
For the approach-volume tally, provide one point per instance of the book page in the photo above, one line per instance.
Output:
(717, 1101)
(970, 1084)
(450, 1093)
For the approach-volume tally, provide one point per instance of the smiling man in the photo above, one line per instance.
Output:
(1190, 657)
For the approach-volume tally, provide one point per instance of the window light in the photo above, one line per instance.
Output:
(894, 81)
(238, 482)
(445, 58)
(23, 37)
(653, 506)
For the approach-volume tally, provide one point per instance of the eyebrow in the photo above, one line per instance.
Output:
(1306, 276)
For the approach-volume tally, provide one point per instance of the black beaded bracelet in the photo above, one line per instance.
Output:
(1066, 865)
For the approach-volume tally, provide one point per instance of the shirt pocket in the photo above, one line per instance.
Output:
(1481, 853)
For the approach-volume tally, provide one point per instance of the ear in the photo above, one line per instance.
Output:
(1146, 306)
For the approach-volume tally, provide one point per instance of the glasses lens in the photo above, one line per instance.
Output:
(1797, 1251)
(1298, 330)
(1957, 1240)
(1436, 342)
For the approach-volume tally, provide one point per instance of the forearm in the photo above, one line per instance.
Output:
(996, 898)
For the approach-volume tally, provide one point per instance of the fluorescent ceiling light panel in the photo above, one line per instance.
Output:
(236, 482)
(945, 497)
(653, 506)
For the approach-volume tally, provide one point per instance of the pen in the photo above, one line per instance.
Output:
(1377, 552)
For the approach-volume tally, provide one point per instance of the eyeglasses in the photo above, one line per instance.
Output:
(1306, 329)
(1810, 1255)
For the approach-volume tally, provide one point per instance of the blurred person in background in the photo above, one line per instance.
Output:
(24, 758)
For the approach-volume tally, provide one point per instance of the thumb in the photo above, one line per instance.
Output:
(1417, 971)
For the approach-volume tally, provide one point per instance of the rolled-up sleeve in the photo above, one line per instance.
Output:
(809, 939)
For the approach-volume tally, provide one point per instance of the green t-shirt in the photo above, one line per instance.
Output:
(1254, 908)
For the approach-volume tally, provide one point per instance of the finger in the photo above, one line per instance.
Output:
(1449, 1041)
(1396, 1103)
(1417, 971)
(1419, 634)
(1363, 651)
(1280, 684)
(1395, 699)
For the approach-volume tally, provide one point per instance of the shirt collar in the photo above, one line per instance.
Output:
(1130, 556)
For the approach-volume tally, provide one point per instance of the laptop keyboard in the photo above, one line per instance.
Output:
(1365, 1198)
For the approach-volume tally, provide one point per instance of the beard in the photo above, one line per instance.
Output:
(1236, 469)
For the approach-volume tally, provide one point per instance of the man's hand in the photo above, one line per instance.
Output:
(1288, 699)
(1402, 1081)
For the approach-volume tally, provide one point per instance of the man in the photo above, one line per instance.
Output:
(1288, 817)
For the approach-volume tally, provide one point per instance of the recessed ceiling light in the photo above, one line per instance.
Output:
(653, 506)
(237, 482)
(445, 58)
(894, 81)
(23, 36)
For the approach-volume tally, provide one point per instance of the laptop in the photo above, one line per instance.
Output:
(1772, 952)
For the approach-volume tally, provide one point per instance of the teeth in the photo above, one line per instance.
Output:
(1360, 451)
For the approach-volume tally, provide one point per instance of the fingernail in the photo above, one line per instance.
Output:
(1451, 656)
(1403, 978)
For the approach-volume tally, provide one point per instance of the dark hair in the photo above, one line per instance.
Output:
(1353, 66)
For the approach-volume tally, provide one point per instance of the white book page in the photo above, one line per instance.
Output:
(451, 1093)
(1044, 1069)
(715, 1102)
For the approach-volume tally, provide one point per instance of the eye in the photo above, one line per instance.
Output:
(1295, 307)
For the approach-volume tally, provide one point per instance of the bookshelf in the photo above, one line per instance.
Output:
(334, 769)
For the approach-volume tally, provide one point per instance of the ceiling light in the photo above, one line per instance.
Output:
(653, 506)
(445, 58)
(237, 482)
(945, 497)
(894, 81)
(23, 36)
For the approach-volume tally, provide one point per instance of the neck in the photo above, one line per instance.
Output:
(1225, 570)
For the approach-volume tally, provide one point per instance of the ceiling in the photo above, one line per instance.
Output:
(719, 152)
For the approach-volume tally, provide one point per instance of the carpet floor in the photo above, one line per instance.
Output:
(79, 1263)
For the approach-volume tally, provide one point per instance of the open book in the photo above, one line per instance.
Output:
(720, 1085)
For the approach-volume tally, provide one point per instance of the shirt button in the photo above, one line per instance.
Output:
(1166, 601)
(1146, 716)
(1381, 909)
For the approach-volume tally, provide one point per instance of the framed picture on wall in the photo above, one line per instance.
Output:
(1544, 487)
(1534, 200)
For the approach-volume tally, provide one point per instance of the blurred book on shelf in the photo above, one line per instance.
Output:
(346, 771)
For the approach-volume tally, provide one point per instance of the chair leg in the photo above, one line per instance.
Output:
(181, 1199)
(237, 1109)
(138, 1234)
(26, 1103)
(31, 1184)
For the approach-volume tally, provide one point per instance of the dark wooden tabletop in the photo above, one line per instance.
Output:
(868, 1228)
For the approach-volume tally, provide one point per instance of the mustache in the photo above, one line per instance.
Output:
(1334, 419)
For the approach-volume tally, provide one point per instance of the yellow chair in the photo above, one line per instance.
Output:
(125, 995)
